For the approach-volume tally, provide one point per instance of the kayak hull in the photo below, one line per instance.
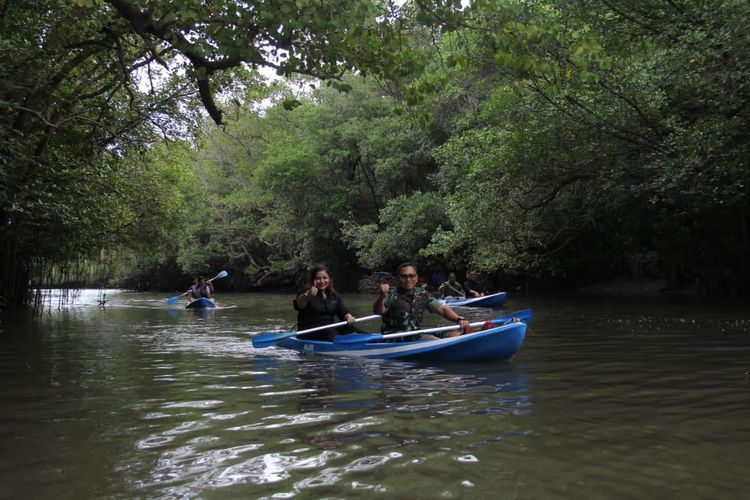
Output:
(201, 303)
(498, 343)
(494, 300)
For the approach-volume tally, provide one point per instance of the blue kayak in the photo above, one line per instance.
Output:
(201, 303)
(498, 343)
(494, 300)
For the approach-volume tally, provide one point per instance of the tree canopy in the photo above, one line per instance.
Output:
(556, 141)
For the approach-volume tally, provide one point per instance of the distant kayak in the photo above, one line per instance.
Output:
(494, 300)
(201, 303)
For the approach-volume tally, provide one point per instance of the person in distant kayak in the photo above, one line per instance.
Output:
(472, 287)
(402, 309)
(451, 287)
(319, 304)
(201, 288)
(437, 278)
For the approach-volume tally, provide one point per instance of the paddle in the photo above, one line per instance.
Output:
(222, 274)
(469, 299)
(172, 300)
(268, 339)
(356, 338)
(459, 293)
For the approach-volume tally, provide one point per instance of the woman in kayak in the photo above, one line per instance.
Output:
(319, 304)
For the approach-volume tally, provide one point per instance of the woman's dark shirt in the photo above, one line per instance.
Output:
(319, 311)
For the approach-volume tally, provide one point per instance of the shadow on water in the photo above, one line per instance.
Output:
(333, 377)
(203, 313)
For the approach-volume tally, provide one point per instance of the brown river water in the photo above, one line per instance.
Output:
(608, 398)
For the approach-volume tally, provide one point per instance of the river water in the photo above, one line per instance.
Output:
(607, 399)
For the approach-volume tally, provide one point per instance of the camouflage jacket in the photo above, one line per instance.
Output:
(404, 313)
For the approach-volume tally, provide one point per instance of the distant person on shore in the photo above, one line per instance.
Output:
(472, 287)
(201, 288)
(402, 309)
(319, 304)
(451, 287)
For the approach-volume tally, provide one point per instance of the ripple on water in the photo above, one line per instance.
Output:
(224, 416)
(194, 404)
(289, 392)
(357, 425)
(369, 462)
(268, 468)
(179, 464)
(186, 427)
(154, 442)
(156, 416)
(333, 475)
(285, 421)
(204, 439)
(327, 477)
(356, 485)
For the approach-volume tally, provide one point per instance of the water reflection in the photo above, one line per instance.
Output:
(312, 423)
(203, 313)
(136, 400)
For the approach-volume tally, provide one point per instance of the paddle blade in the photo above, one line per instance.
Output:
(172, 300)
(269, 339)
(222, 274)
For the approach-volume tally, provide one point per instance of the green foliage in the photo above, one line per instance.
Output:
(88, 86)
(321, 38)
(407, 224)
(602, 132)
(557, 139)
(293, 181)
(564, 140)
(162, 195)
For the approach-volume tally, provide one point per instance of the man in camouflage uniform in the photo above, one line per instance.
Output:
(402, 309)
